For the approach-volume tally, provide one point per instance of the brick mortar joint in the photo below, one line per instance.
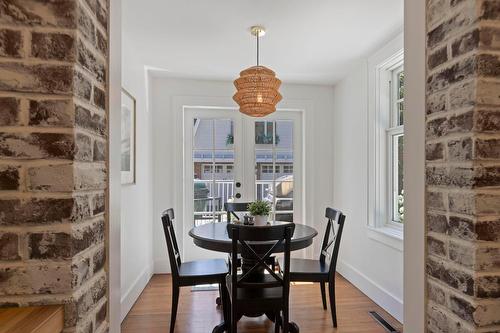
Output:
(37, 62)
(451, 112)
(36, 263)
(28, 29)
(37, 129)
(24, 300)
(27, 195)
(36, 96)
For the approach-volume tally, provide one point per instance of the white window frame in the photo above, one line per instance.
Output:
(380, 171)
(394, 130)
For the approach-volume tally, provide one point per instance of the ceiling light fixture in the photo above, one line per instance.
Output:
(257, 87)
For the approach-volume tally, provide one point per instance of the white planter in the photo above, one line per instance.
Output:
(260, 219)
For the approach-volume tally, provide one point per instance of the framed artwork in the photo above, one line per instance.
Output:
(128, 118)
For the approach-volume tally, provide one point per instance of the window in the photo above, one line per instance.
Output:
(264, 132)
(218, 168)
(229, 169)
(287, 168)
(395, 138)
(386, 141)
(267, 168)
(207, 168)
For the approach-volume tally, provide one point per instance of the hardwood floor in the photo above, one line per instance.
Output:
(198, 314)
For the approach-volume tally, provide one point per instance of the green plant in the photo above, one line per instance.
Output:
(259, 208)
(266, 139)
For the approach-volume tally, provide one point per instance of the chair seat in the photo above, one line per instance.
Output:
(203, 268)
(307, 270)
(259, 295)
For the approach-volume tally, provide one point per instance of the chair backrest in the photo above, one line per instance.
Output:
(279, 239)
(232, 208)
(174, 255)
(332, 237)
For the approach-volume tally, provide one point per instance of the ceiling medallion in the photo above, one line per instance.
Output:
(257, 87)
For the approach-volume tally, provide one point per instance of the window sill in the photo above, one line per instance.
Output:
(389, 236)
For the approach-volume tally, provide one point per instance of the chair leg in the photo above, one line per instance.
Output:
(175, 302)
(285, 323)
(223, 295)
(234, 319)
(323, 294)
(218, 300)
(333, 309)
(277, 323)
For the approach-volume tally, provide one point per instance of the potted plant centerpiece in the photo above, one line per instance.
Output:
(260, 211)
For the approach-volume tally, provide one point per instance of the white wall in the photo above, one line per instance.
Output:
(318, 104)
(136, 199)
(374, 267)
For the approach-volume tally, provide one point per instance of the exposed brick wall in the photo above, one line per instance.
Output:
(463, 165)
(53, 142)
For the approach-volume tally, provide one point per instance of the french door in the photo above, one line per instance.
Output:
(230, 157)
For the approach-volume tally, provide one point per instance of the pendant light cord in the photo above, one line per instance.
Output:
(258, 48)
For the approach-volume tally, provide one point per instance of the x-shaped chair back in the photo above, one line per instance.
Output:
(277, 238)
(331, 241)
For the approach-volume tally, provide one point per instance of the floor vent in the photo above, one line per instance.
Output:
(378, 318)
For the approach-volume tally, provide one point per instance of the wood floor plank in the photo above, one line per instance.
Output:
(197, 312)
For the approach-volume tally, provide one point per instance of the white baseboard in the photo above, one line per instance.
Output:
(379, 295)
(132, 294)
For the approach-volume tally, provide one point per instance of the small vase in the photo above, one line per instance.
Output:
(260, 220)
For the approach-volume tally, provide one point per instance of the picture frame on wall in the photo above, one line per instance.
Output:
(128, 138)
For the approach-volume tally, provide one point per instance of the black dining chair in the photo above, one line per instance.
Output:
(190, 273)
(323, 270)
(232, 209)
(252, 291)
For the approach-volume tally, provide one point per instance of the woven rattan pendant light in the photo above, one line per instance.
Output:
(257, 87)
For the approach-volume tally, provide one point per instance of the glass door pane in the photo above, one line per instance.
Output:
(213, 164)
(274, 179)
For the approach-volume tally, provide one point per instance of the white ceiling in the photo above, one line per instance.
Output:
(307, 41)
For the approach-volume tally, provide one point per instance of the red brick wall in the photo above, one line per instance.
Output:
(53, 142)
(463, 165)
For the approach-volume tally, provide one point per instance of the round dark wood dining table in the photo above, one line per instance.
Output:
(214, 237)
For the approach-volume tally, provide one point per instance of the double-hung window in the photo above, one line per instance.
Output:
(395, 139)
(386, 142)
